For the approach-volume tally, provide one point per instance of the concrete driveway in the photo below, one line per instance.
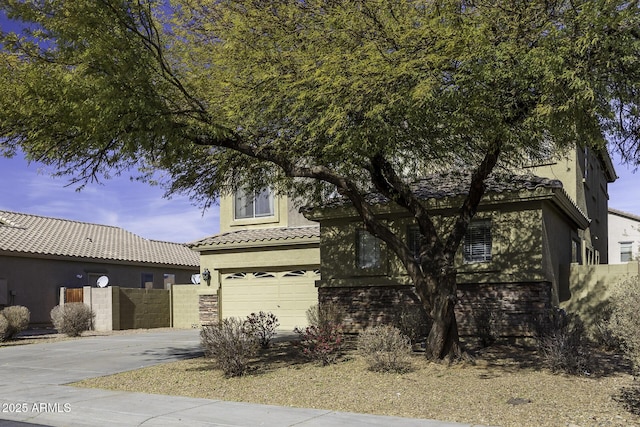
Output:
(33, 390)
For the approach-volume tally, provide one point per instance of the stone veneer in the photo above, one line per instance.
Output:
(517, 306)
(208, 308)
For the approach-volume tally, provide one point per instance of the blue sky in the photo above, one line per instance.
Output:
(134, 206)
(141, 208)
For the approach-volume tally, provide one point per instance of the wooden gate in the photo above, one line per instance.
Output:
(73, 295)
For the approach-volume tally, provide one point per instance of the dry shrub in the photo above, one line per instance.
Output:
(413, 321)
(323, 339)
(263, 326)
(4, 327)
(17, 318)
(230, 345)
(385, 349)
(488, 321)
(72, 318)
(562, 343)
(624, 323)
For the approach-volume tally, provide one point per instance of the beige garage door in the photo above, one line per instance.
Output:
(287, 294)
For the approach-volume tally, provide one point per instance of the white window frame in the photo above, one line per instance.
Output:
(241, 200)
(626, 256)
(478, 242)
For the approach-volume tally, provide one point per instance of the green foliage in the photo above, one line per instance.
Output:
(229, 345)
(624, 322)
(72, 319)
(263, 326)
(385, 349)
(562, 343)
(17, 320)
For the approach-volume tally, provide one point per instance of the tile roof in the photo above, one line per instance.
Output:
(624, 214)
(259, 235)
(456, 183)
(33, 234)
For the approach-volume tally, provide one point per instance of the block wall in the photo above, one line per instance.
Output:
(144, 308)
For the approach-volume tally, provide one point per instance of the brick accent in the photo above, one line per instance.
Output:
(519, 305)
(208, 309)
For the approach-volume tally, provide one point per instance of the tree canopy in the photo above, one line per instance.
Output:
(314, 96)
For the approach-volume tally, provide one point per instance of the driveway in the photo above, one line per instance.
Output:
(33, 390)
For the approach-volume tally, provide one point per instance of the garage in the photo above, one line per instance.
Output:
(287, 294)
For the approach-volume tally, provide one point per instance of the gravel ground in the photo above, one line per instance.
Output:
(503, 386)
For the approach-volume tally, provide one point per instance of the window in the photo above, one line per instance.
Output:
(477, 242)
(413, 240)
(169, 280)
(257, 204)
(368, 248)
(626, 251)
(146, 281)
(576, 251)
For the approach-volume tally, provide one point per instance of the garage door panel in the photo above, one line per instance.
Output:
(288, 298)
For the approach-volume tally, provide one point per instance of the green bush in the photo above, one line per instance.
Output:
(230, 345)
(562, 343)
(72, 318)
(624, 322)
(17, 318)
(263, 326)
(385, 349)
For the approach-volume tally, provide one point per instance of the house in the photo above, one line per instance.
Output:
(265, 258)
(39, 255)
(514, 259)
(624, 236)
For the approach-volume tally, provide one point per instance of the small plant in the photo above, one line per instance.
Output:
(4, 327)
(325, 313)
(562, 343)
(412, 321)
(321, 343)
(17, 318)
(624, 323)
(263, 326)
(385, 349)
(487, 320)
(229, 345)
(72, 319)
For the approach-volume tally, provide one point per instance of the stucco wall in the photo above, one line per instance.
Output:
(35, 282)
(590, 288)
(184, 306)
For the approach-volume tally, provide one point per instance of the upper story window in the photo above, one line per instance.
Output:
(256, 204)
(368, 250)
(413, 240)
(626, 251)
(477, 242)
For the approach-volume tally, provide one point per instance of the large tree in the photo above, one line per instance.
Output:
(315, 96)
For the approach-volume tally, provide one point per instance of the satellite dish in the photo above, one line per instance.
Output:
(102, 282)
(195, 279)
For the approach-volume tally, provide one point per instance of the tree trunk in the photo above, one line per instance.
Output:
(443, 342)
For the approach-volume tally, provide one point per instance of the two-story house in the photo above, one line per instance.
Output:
(265, 258)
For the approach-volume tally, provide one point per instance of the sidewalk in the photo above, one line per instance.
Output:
(32, 390)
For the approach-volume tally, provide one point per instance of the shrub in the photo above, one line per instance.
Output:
(321, 343)
(17, 318)
(488, 319)
(602, 333)
(412, 321)
(385, 349)
(72, 319)
(263, 326)
(562, 343)
(624, 323)
(4, 327)
(326, 313)
(229, 345)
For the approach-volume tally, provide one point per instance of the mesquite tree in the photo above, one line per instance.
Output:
(314, 97)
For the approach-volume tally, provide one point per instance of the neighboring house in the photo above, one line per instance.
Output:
(266, 258)
(624, 237)
(39, 255)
